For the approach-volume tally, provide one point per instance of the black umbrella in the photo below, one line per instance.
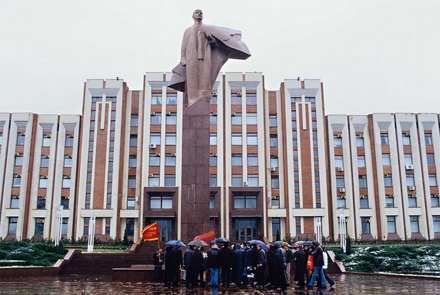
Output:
(221, 240)
(197, 243)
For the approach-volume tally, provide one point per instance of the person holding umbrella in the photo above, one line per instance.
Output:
(176, 261)
(214, 264)
(188, 259)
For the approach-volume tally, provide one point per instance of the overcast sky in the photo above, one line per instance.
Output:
(372, 56)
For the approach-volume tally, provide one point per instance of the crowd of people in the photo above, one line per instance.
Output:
(242, 264)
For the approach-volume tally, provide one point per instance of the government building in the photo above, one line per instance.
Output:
(278, 163)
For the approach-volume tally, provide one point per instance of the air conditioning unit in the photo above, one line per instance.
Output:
(387, 175)
(245, 183)
(157, 154)
(340, 169)
(233, 114)
(339, 136)
(153, 113)
(412, 196)
(17, 154)
(343, 197)
(152, 145)
(238, 94)
(42, 220)
(367, 219)
(173, 154)
(272, 169)
(409, 167)
(150, 175)
(214, 113)
(361, 136)
(436, 196)
(411, 188)
(137, 199)
(407, 134)
(363, 197)
(168, 113)
(342, 189)
(214, 93)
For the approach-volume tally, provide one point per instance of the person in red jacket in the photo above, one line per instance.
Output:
(318, 263)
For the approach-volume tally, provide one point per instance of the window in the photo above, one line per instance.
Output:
(409, 179)
(39, 226)
(112, 124)
(170, 180)
(171, 98)
(86, 225)
(131, 203)
(18, 161)
(132, 161)
(252, 159)
(414, 220)
(113, 114)
(236, 119)
(389, 200)
(171, 118)
(236, 139)
(318, 199)
(251, 98)
(16, 181)
(386, 160)
(109, 185)
(384, 138)
(213, 98)
(46, 140)
(274, 181)
(391, 224)
(276, 229)
(213, 160)
(412, 201)
(134, 120)
(253, 179)
(293, 114)
(339, 161)
(153, 180)
(110, 175)
(90, 155)
(436, 221)
(89, 164)
(212, 202)
(430, 159)
(133, 140)
(297, 201)
(251, 118)
(295, 143)
(273, 140)
(428, 139)
(156, 98)
(364, 202)
(212, 119)
(317, 184)
(313, 114)
(272, 120)
(65, 202)
(294, 134)
(154, 138)
(69, 140)
(1, 138)
(298, 225)
(43, 181)
(432, 180)
(237, 180)
(15, 202)
(170, 159)
(236, 160)
(361, 161)
(235, 98)
(154, 159)
(245, 202)
(388, 180)
(132, 181)
(156, 118)
(91, 143)
(340, 202)
(365, 221)
(12, 228)
(213, 180)
(408, 159)
(20, 138)
(275, 201)
(170, 139)
(273, 161)
(161, 202)
(129, 227)
(337, 140)
(340, 181)
(359, 140)
(362, 181)
(435, 201)
(67, 161)
(92, 114)
(41, 202)
(252, 139)
(406, 139)
(213, 139)
(66, 181)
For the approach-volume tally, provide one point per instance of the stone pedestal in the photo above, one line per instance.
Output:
(195, 170)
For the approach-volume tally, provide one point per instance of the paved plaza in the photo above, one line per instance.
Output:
(345, 284)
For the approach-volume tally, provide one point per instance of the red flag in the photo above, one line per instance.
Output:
(207, 236)
(151, 232)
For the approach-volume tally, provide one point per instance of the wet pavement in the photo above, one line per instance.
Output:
(345, 284)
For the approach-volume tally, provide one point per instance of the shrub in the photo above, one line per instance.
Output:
(3, 254)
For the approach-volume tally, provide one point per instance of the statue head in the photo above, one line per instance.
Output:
(198, 15)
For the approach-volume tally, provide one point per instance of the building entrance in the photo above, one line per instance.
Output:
(165, 228)
(245, 229)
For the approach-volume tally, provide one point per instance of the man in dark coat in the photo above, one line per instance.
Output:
(226, 257)
(168, 266)
(271, 263)
(280, 267)
(261, 267)
(300, 266)
(199, 265)
(214, 264)
(318, 264)
(158, 262)
(176, 264)
(238, 264)
(189, 266)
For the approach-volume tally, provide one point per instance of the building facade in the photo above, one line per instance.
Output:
(278, 164)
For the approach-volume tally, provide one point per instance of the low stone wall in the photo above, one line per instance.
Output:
(23, 272)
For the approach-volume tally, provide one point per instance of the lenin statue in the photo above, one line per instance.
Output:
(205, 49)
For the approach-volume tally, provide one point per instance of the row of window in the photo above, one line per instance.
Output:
(389, 201)
(21, 136)
(384, 140)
